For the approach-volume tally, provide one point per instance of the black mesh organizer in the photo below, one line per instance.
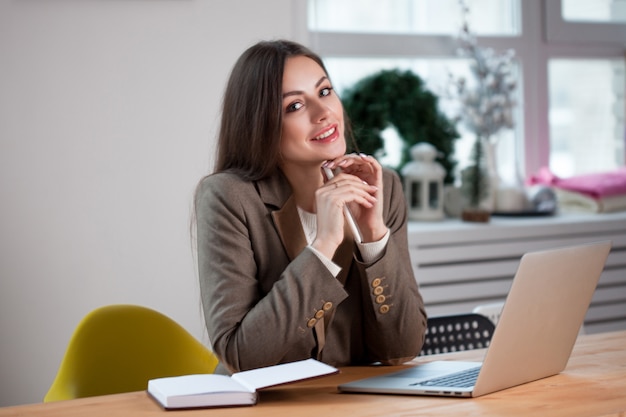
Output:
(457, 333)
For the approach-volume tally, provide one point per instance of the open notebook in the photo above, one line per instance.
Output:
(240, 388)
(534, 338)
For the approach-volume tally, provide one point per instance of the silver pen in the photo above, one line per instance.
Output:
(346, 211)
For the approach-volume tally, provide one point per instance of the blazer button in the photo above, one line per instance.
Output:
(327, 306)
(384, 309)
(378, 290)
(376, 282)
(319, 314)
(380, 299)
(311, 323)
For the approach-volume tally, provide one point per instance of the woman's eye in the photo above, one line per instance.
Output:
(326, 91)
(293, 107)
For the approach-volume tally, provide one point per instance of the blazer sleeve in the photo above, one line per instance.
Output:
(394, 314)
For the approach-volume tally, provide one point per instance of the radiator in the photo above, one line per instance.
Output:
(460, 266)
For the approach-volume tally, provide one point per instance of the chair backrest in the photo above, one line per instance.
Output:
(457, 333)
(118, 348)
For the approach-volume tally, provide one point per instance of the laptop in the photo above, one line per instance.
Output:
(534, 338)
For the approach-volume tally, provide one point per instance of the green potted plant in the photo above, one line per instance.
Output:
(400, 99)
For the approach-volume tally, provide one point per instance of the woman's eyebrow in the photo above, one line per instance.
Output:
(320, 81)
(299, 92)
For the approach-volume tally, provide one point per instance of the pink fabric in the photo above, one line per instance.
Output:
(596, 185)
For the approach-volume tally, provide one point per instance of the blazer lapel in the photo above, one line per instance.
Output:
(344, 253)
(289, 228)
(291, 233)
(276, 192)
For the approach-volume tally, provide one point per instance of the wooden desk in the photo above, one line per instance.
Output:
(594, 384)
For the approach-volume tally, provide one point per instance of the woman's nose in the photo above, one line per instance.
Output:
(320, 112)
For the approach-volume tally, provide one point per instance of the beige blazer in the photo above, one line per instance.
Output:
(268, 299)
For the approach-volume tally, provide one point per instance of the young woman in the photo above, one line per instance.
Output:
(281, 275)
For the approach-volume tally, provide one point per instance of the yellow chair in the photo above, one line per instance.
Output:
(118, 348)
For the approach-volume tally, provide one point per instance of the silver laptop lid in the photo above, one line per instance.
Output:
(542, 315)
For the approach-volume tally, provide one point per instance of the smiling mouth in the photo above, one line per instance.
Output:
(326, 134)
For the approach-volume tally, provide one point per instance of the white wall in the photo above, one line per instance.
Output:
(108, 111)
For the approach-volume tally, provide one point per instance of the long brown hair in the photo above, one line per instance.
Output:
(251, 123)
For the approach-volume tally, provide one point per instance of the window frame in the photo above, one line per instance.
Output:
(561, 30)
(544, 35)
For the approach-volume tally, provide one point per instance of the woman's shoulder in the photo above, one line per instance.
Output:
(390, 177)
(218, 179)
(390, 173)
(222, 184)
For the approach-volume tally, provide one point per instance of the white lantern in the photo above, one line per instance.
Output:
(423, 183)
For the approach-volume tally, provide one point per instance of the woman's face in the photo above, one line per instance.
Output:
(313, 125)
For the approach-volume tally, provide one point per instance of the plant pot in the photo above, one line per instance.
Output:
(477, 215)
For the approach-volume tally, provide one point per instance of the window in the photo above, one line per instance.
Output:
(594, 11)
(559, 63)
(586, 115)
(425, 17)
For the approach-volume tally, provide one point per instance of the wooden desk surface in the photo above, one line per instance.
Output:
(593, 384)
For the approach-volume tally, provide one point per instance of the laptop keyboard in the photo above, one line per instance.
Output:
(463, 379)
